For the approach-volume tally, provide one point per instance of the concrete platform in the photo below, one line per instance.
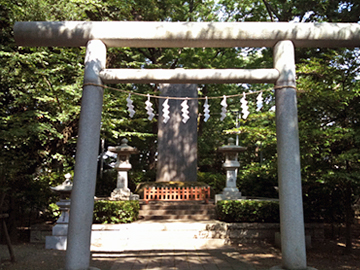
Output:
(150, 235)
(224, 259)
(174, 234)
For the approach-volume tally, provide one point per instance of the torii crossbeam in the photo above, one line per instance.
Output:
(99, 35)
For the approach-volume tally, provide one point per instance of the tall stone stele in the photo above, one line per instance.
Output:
(177, 141)
(231, 164)
(122, 166)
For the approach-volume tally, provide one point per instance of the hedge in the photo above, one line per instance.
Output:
(248, 211)
(112, 212)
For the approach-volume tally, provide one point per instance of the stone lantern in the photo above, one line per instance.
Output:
(231, 164)
(122, 166)
(60, 230)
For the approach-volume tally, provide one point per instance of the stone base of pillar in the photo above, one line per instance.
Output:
(120, 194)
(230, 191)
(56, 242)
(228, 195)
(60, 229)
(134, 197)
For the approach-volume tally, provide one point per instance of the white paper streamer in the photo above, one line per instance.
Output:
(244, 107)
(206, 110)
(130, 106)
(149, 109)
(259, 102)
(223, 109)
(166, 111)
(185, 111)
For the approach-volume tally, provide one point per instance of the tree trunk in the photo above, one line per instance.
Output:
(13, 216)
(349, 216)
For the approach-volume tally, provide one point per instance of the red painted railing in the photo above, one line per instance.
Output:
(176, 194)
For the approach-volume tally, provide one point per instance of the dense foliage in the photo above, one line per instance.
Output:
(114, 212)
(248, 211)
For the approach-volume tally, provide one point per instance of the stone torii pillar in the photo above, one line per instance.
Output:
(81, 212)
(290, 192)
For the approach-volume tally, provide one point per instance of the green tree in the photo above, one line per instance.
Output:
(330, 137)
(40, 103)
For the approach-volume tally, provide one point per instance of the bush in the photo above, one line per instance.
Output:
(52, 212)
(216, 181)
(106, 184)
(112, 212)
(248, 211)
(258, 181)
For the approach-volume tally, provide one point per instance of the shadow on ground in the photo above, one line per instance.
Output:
(179, 259)
(327, 255)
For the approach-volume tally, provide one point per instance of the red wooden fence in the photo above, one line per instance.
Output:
(176, 194)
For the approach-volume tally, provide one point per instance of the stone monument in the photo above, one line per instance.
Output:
(122, 166)
(177, 141)
(60, 230)
(230, 192)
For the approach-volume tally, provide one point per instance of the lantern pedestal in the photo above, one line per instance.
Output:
(124, 151)
(58, 239)
(231, 164)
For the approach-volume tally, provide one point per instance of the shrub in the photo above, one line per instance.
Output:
(216, 181)
(51, 213)
(248, 211)
(258, 181)
(112, 212)
(106, 184)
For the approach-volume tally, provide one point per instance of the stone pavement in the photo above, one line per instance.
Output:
(205, 259)
(166, 244)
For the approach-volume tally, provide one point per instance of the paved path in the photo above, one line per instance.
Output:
(219, 259)
(166, 244)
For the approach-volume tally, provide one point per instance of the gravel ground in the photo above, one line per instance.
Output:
(36, 257)
(328, 255)
(325, 255)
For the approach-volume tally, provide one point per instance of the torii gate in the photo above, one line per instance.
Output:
(97, 36)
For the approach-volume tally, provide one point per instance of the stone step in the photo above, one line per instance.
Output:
(110, 244)
(145, 226)
(157, 212)
(176, 206)
(156, 236)
(182, 210)
(178, 217)
(148, 235)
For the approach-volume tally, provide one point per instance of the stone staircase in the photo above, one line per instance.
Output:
(181, 211)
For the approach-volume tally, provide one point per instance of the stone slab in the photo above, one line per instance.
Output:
(186, 34)
(177, 141)
(228, 196)
(56, 242)
(60, 230)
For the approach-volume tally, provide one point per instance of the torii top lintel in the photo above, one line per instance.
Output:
(186, 34)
